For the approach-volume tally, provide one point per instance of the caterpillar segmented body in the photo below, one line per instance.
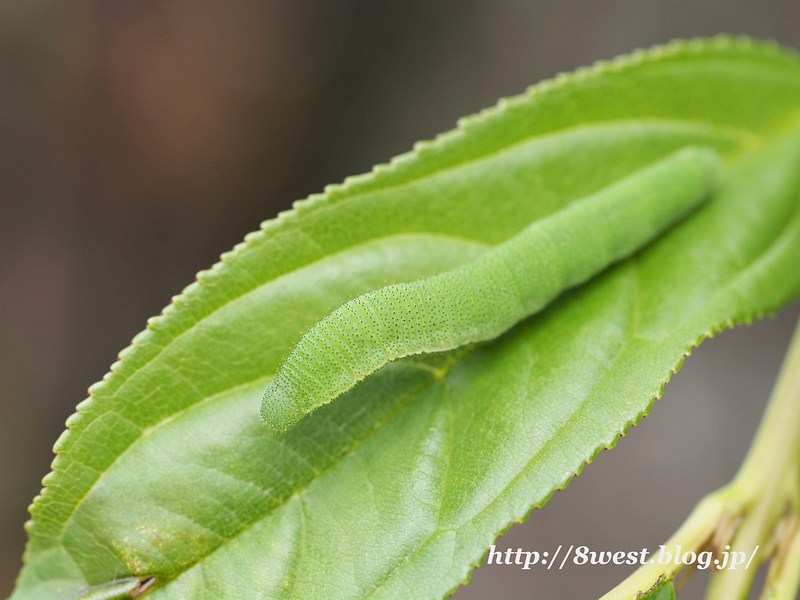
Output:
(482, 299)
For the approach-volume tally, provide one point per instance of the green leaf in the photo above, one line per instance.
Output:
(398, 488)
(663, 590)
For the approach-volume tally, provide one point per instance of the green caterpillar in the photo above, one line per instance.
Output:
(482, 299)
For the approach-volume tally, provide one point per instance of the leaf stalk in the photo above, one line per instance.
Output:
(756, 513)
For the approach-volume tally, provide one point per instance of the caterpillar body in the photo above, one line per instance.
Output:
(482, 299)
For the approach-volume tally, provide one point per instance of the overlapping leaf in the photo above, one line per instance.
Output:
(397, 488)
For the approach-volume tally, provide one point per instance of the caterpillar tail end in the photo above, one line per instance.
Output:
(279, 411)
(715, 167)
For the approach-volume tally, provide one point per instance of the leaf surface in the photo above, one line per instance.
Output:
(398, 487)
(661, 591)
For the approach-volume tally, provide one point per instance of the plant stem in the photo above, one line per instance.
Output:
(745, 513)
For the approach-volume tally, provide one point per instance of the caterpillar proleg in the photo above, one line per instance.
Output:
(482, 299)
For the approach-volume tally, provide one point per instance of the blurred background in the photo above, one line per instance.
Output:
(139, 140)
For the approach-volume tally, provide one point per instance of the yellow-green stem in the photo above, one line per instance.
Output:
(755, 501)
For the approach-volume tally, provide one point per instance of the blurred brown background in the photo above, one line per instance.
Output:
(139, 140)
